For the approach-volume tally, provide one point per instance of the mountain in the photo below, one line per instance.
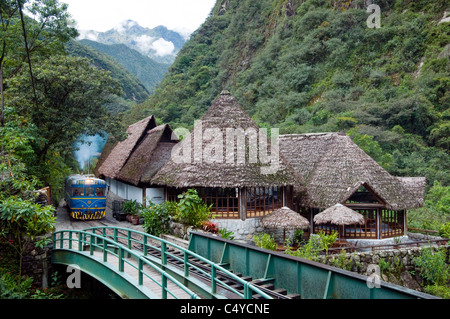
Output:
(133, 89)
(159, 43)
(149, 72)
(316, 66)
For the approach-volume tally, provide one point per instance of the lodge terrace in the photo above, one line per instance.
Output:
(313, 173)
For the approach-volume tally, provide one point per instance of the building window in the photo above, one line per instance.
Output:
(262, 201)
(392, 223)
(225, 201)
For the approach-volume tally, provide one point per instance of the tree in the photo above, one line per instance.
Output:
(71, 101)
(22, 37)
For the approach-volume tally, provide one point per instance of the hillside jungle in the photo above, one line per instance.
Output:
(299, 65)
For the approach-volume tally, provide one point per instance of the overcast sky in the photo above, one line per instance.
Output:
(103, 15)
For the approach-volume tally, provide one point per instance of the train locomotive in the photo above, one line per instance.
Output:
(85, 196)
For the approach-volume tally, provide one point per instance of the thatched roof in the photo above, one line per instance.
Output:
(210, 165)
(149, 156)
(114, 157)
(136, 159)
(333, 168)
(339, 215)
(284, 218)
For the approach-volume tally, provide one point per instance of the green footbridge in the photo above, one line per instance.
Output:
(136, 265)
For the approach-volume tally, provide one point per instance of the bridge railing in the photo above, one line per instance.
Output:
(77, 240)
(146, 241)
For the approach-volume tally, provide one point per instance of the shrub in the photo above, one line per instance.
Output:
(310, 250)
(156, 219)
(210, 227)
(131, 207)
(13, 287)
(444, 230)
(192, 210)
(225, 234)
(438, 290)
(432, 266)
(265, 241)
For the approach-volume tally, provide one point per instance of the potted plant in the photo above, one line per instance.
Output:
(131, 208)
(135, 218)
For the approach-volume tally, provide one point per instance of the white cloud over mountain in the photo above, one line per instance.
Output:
(159, 43)
(163, 47)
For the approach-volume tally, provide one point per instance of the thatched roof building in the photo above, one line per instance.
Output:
(136, 159)
(210, 163)
(333, 168)
(115, 154)
(232, 164)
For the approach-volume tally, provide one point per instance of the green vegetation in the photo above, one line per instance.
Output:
(191, 209)
(433, 267)
(314, 245)
(149, 72)
(156, 218)
(265, 241)
(133, 89)
(435, 214)
(48, 99)
(315, 66)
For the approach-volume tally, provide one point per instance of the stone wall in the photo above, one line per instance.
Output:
(398, 264)
(36, 262)
(179, 230)
(243, 230)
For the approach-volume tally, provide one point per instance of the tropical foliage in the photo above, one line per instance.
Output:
(315, 66)
(47, 100)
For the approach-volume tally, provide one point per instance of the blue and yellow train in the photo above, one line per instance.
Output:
(86, 197)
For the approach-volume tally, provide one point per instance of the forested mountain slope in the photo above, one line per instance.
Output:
(315, 65)
(133, 88)
(148, 71)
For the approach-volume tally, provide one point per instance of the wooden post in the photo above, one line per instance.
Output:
(243, 203)
(379, 224)
(144, 196)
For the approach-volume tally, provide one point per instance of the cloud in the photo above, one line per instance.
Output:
(144, 42)
(88, 34)
(163, 47)
(147, 43)
(124, 25)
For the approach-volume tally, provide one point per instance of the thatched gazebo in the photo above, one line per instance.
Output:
(335, 170)
(286, 219)
(339, 215)
(221, 159)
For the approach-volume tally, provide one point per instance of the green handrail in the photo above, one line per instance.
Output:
(249, 288)
(87, 238)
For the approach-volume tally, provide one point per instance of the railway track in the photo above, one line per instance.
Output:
(200, 269)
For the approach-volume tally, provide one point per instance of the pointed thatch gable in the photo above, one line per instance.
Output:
(120, 153)
(334, 168)
(149, 156)
(217, 167)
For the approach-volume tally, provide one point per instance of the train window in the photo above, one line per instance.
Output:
(78, 191)
(89, 191)
(100, 192)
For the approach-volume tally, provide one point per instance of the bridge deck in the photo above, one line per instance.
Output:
(153, 283)
(151, 278)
